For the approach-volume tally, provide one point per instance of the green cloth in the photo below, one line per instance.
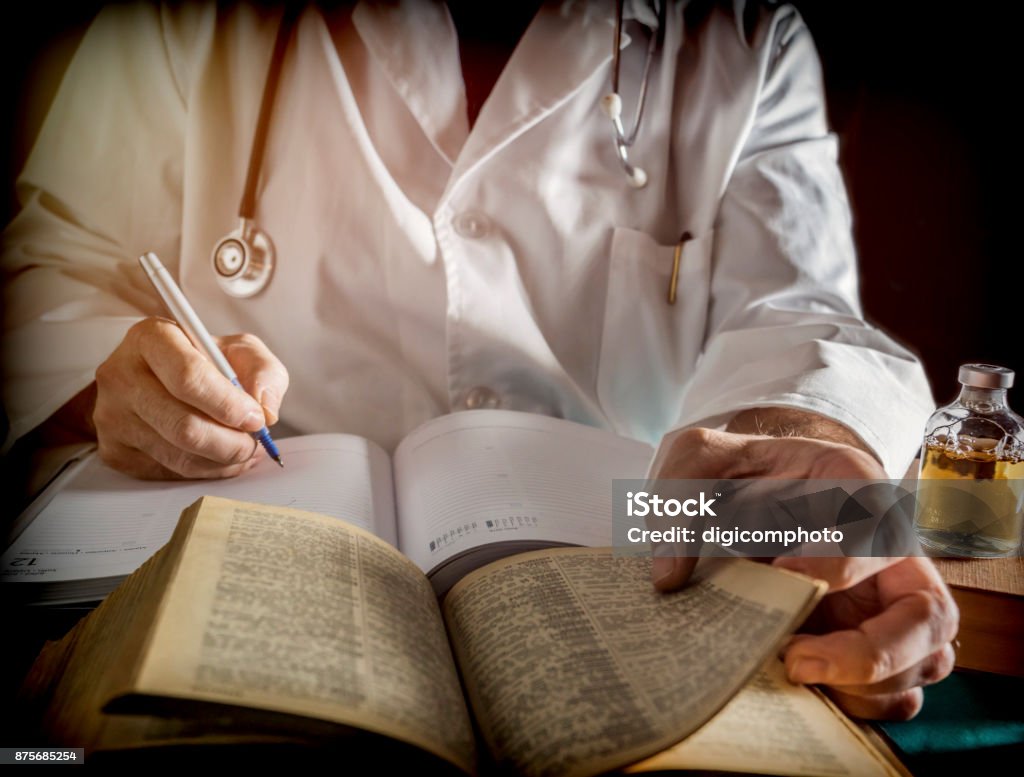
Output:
(971, 720)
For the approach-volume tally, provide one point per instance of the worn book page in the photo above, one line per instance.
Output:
(774, 727)
(70, 680)
(575, 664)
(296, 612)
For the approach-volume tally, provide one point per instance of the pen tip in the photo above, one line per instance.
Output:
(279, 462)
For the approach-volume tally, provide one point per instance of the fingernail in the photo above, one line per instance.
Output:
(662, 569)
(270, 402)
(253, 421)
(809, 670)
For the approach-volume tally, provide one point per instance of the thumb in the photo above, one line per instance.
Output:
(260, 372)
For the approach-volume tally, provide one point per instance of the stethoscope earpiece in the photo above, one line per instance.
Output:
(243, 261)
(611, 103)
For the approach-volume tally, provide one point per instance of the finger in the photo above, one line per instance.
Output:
(894, 706)
(839, 573)
(934, 668)
(182, 426)
(183, 463)
(912, 627)
(192, 378)
(260, 372)
(137, 463)
(699, 453)
(669, 573)
(132, 462)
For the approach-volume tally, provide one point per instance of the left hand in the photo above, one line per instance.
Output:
(886, 626)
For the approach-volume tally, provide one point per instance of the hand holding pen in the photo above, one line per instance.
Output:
(164, 410)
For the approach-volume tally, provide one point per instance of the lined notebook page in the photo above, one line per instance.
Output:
(478, 477)
(104, 524)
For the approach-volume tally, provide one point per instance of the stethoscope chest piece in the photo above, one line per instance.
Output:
(243, 261)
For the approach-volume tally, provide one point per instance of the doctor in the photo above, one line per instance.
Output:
(453, 228)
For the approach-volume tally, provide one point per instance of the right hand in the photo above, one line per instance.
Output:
(164, 411)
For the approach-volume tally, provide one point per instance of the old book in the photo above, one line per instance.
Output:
(990, 595)
(257, 627)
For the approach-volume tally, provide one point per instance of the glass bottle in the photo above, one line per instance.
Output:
(970, 498)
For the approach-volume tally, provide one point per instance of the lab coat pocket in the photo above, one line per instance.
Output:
(649, 348)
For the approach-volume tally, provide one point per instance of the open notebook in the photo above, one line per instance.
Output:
(460, 491)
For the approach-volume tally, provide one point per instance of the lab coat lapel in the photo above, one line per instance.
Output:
(417, 45)
(561, 49)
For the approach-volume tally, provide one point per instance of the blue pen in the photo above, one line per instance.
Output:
(190, 324)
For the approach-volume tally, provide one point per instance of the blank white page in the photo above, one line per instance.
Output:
(102, 523)
(483, 476)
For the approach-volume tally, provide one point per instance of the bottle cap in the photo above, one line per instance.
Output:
(987, 376)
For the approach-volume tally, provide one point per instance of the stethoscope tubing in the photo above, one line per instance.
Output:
(244, 260)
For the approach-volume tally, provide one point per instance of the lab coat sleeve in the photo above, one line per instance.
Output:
(102, 185)
(785, 326)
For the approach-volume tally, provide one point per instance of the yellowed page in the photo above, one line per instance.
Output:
(71, 679)
(291, 611)
(774, 727)
(575, 664)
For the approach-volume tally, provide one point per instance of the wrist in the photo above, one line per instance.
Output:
(794, 422)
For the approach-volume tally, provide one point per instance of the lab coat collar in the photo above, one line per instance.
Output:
(562, 49)
(416, 44)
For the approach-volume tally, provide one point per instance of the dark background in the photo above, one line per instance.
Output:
(921, 99)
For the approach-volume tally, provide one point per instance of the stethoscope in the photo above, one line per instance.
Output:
(243, 261)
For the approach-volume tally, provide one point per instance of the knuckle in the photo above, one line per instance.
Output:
(250, 340)
(876, 665)
(924, 607)
(695, 437)
(188, 431)
(242, 342)
(191, 379)
(906, 705)
(110, 374)
(950, 615)
(108, 454)
(181, 463)
(935, 607)
(939, 666)
(103, 417)
(140, 329)
(145, 329)
(283, 376)
(243, 450)
(103, 372)
(843, 575)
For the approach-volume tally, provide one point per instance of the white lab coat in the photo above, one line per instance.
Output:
(424, 267)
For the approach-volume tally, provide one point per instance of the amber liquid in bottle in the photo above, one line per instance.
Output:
(976, 505)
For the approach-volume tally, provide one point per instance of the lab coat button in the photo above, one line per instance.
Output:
(481, 398)
(471, 224)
